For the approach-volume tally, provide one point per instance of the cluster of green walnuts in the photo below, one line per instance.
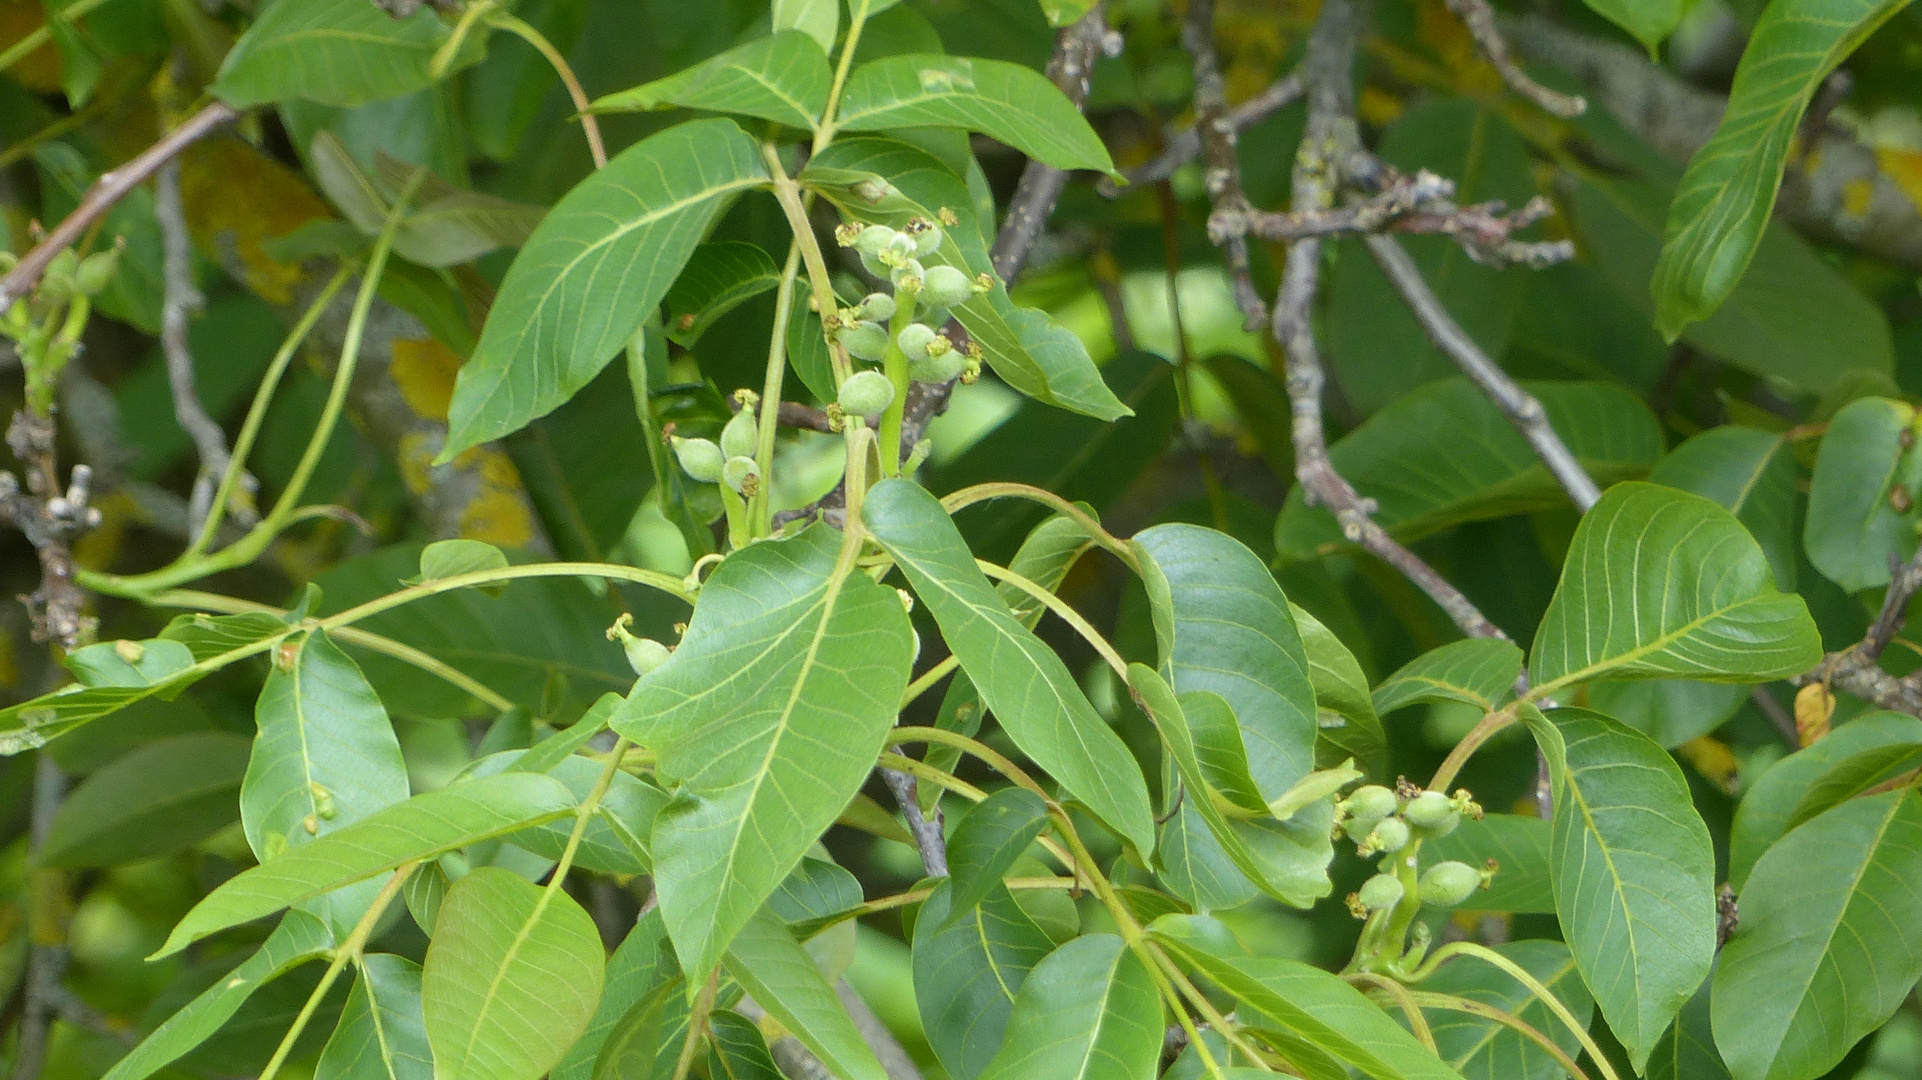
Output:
(904, 319)
(1392, 823)
(46, 329)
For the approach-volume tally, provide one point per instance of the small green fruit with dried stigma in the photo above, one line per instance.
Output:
(740, 435)
(1447, 884)
(866, 393)
(1432, 814)
(1381, 891)
(864, 341)
(699, 458)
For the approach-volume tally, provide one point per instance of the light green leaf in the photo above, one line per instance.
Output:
(766, 720)
(1853, 776)
(382, 1034)
(1750, 473)
(646, 1041)
(1063, 12)
(1003, 101)
(1728, 192)
(451, 558)
(783, 78)
(1089, 1010)
(600, 260)
(1633, 869)
(1660, 583)
(299, 937)
(1764, 814)
(1195, 866)
(446, 225)
(642, 964)
(129, 663)
(1830, 940)
(986, 842)
(1306, 1002)
(616, 837)
(719, 277)
(1345, 718)
(817, 891)
(1520, 847)
(1856, 522)
(1687, 1050)
(1285, 859)
(778, 973)
(1024, 683)
(735, 1047)
(1223, 625)
(1444, 454)
(818, 19)
(337, 52)
(1482, 1049)
(1020, 344)
(423, 827)
(512, 976)
(1648, 21)
(1474, 671)
(967, 971)
(154, 800)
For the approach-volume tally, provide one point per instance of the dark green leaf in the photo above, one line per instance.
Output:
(816, 891)
(778, 973)
(1827, 947)
(1482, 1049)
(1687, 1050)
(783, 78)
(1649, 21)
(157, 799)
(1670, 711)
(1346, 721)
(766, 720)
(1727, 194)
(129, 663)
(987, 841)
(1856, 521)
(1520, 847)
(735, 1048)
(601, 259)
(1852, 776)
(511, 978)
(643, 964)
(1474, 671)
(1752, 474)
(967, 971)
(719, 277)
(1633, 868)
(1090, 1009)
(1004, 101)
(338, 52)
(1660, 583)
(382, 1035)
(1023, 682)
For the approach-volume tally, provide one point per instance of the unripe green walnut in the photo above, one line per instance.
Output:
(96, 272)
(740, 435)
(644, 654)
(873, 240)
(1447, 884)
(741, 474)
(699, 458)
(919, 342)
(946, 286)
(925, 235)
(878, 306)
(56, 285)
(864, 341)
(1381, 891)
(938, 369)
(907, 276)
(866, 393)
(1432, 814)
(1388, 837)
(1370, 802)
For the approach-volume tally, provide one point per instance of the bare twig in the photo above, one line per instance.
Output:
(1856, 670)
(51, 520)
(1184, 145)
(928, 837)
(1778, 717)
(894, 1060)
(1479, 18)
(1421, 203)
(1221, 169)
(180, 299)
(1517, 404)
(105, 192)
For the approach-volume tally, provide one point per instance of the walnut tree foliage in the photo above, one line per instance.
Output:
(991, 539)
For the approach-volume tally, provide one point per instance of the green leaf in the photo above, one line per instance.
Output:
(1346, 723)
(1063, 12)
(1687, 1050)
(337, 52)
(1728, 192)
(778, 973)
(154, 800)
(511, 978)
(783, 78)
(80, 60)
(1003, 101)
(446, 225)
(1752, 474)
(767, 719)
(719, 277)
(818, 19)
(986, 842)
(735, 1048)
(600, 260)
(325, 756)
(1444, 454)
(1482, 1049)
(1633, 869)
(1474, 671)
(1308, 1003)
(1520, 847)
(817, 890)
(451, 558)
(421, 828)
(1648, 21)
(1853, 776)
(382, 1034)
(1660, 583)
(1855, 525)
(1222, 625)
(1089, 1010)
(1765, 811)
(585, 467)
(1828, 945)
(1025, 349)
(1670, 711)
(966, 973)
(642, 964)
(1024, 683)
(129, 663)
(299, 937)
(1285, 859)
(616, 837)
